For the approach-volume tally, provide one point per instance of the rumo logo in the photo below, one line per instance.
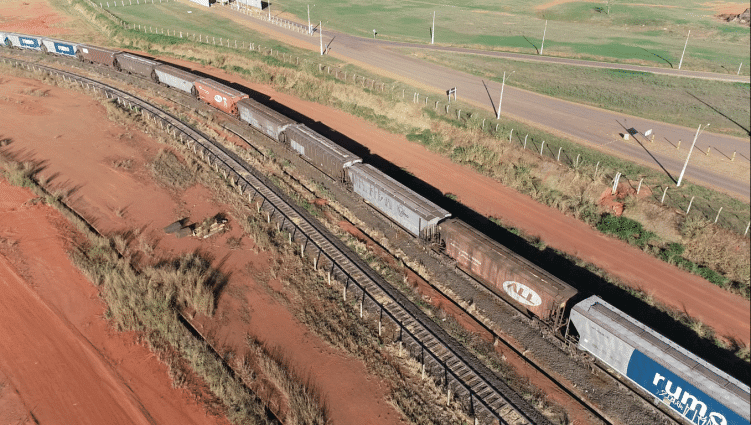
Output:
(687, 404)
(522, 293)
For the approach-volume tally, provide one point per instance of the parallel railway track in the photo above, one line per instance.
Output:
(464, 378)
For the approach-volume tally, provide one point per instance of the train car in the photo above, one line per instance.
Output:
(2, 40)
(411, 211)
(698, 391)
(94, 54)
(134, 64)
(264, 118)
(505, 272)
(176, 78)
(218, 95)
(22, 41)
(58, 47)
(324, 154)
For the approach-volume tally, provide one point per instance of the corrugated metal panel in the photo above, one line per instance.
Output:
(218, 95)
(413, 212)
(668, 355)
(25, 41)
(324, 154)
(599, 340)
(506, 273)
(137, 65)
(176, 78)
(3, 39)
(202, 2)
(264, 118)
(97, 54)
(59, 47)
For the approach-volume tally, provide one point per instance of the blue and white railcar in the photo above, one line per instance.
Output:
(698, 391)
(2, 39)
(22, 41)
(58, 47)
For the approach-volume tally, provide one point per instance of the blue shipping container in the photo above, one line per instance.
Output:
(681, 396)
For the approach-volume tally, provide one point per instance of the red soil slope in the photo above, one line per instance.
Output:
(59, 355)
(105, 166)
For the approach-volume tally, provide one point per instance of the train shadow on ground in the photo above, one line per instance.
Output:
(556, 263)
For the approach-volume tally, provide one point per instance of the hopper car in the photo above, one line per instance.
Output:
(698, 391)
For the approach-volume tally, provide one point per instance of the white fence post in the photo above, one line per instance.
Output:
(718, 215)
(691, 202)
(665, 192)
(542, 146)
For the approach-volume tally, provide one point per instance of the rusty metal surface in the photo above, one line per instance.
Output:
(218, 95)
(98, 54)
(505, 272)
(137, 65)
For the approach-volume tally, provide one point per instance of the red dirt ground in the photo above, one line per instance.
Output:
(32, 17)
(104, 166)
(729, 315)
(62, 362)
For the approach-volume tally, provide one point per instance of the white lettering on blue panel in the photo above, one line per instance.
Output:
(689, 401)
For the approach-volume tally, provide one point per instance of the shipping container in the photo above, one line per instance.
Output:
(695, 389)
(96, 54)
(59, 47)
(134, 64)
(324, 154)
(218, 95)
(264, 119)
(505, 272)
(22, 41)
(414, 213)
(177, 78)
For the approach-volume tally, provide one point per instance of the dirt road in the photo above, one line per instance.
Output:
(596, 127)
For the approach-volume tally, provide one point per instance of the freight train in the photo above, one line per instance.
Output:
(695, 389)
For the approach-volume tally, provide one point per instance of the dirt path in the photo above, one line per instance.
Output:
(105, 168)
(58, 353)
(729, 315)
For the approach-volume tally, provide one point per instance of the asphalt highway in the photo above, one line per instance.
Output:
(584, 124)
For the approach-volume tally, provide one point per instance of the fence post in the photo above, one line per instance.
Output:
(559, 154)
(597, 167)
(542, 146)
(665, 192)
(638, 189)
(616, 180)
(718, 215)
(747, 226)
(577, 161)
(691, 202)
(509, 135)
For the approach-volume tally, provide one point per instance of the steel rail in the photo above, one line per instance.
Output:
(447, 360)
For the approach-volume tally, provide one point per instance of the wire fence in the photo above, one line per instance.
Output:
(723, 215)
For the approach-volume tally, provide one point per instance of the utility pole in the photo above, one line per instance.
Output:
(500, 102)
(320, 32)
(432, 31)
(309, 30)
(269, 7)
(680, 178)
(542, 46)
(684, 49)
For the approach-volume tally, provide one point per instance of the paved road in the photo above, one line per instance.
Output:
(594, 126)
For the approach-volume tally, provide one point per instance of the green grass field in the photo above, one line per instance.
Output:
(632, 32)
(681, 101)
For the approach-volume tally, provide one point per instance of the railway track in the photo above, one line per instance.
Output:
(463, 377)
